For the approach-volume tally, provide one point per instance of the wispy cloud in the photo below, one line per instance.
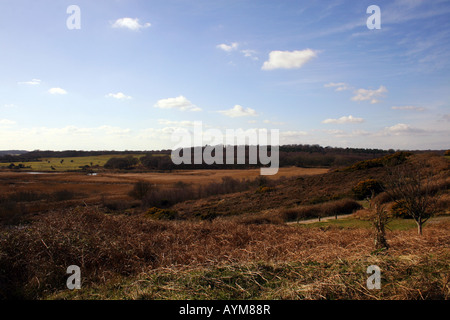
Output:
(118, 96)
(180, 103)
(409, 108)
(343, 120)
(401, 129)
(276, 123)
(33, 82)
(183, 123)
(130, 23)
(238, 111)
(288, 59)
(248, 53)
(369, 95)
(228, 47)
(57, 91)
(340, 86)
(7, 122)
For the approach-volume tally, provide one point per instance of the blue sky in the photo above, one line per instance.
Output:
(137, 70)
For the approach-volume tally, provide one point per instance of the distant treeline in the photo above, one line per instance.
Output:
(289, 155)
(39, 154)
(12, 152)
(300, 155)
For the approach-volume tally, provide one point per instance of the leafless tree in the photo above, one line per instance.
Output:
(380, 220)
(412, 186)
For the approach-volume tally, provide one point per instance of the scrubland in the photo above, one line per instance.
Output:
(224, 238)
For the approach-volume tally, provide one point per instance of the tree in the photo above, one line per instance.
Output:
(121, 163)
(140, 190)
(411, 185)
(380, 221)
(366, 188)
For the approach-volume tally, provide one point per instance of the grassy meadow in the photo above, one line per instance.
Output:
(68, 163)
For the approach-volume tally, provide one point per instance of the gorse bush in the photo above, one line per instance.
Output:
(161, 214)
(366, 188)
(343, 206)
(264, 189)
(389, 160)
(399, 210)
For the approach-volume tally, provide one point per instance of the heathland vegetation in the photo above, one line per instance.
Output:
(140, 231)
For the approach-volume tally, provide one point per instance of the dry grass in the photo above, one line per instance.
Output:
(33, 259)
(252, 254)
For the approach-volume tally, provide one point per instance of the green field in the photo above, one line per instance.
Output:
(69, 164)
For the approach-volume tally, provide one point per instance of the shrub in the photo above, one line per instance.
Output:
(121, 163)
(366, 188)
(447, 153)
(264, 189)
(389, 160)
(11, 212)
(140, 190)
(63, 195)
(344, 206)
(161, 214)
(398, 210)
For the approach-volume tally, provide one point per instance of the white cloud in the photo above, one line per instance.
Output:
(57, 91)
(288, 59)
(129, 23)
(249, 54)
(345, 134)
(33, 82)
(292, 137)
(7, 122)
(360, 133)
(340, 86)
(180, 103)
(342, 120)
(228, 48)
(118, 95)
(277, 123)
(335, 132)
(183, 123)
(238, 111)
(9, 105)
(401, 129)
(367, 94)
(411, 108)
(114, 130)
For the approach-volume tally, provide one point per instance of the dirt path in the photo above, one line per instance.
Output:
(341, 216)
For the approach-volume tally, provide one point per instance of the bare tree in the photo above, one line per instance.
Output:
(380, 221)
(412, 187)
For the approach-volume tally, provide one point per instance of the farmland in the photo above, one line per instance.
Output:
(67, 163)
